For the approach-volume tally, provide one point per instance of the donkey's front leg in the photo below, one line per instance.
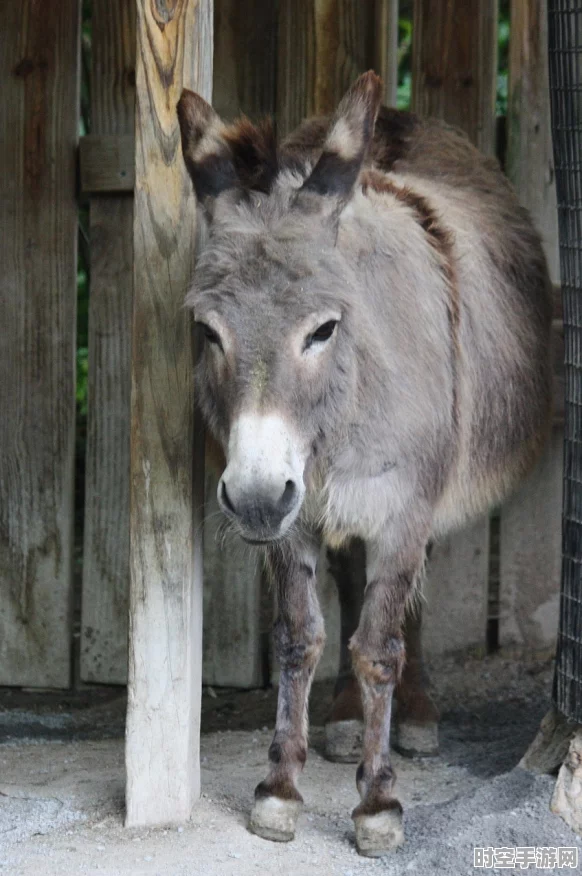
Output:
(299, 640)
(378, 654)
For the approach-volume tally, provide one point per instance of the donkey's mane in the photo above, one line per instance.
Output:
(259, 159)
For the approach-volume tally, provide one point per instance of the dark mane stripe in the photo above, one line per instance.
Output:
(441, 241)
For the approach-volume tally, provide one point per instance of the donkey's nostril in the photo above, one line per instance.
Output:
(287, 500)
(226, 499)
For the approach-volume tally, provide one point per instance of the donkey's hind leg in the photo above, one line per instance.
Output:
(299, 640)
(417, 717)
(344, 728)
(416, 723)
(378, 654)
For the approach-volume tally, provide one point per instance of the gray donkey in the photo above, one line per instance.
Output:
(377, 310)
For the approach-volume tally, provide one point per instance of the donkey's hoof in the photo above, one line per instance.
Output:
(275, 819)
(380, 833)
(343, 741)
(415, 739)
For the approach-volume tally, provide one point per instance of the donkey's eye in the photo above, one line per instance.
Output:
(321, 334)
(211, 336)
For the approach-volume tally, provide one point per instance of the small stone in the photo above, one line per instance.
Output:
(148, 858)
(180, 830)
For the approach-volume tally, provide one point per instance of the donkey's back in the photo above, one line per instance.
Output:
(501, 296)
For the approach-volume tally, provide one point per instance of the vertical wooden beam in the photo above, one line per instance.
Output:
(454, 65)
(530, 535)
(386, 48)
(106, 536)
(454, 70)
(323, 46)
(245, 62)
(174, 50)
(39, 107)
(245, 42)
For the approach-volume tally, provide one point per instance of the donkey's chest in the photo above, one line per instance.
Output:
(348, 504)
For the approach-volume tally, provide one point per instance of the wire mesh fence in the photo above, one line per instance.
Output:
(565, 60)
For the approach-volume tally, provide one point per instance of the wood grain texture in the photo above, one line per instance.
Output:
(38, 218)
(232, 603)
(106, 163)
(245, 47)
(386, 48)
(174, 50)
(323, 46)
(454, 65)
(106, 534)
(453, 78)
(530, 558)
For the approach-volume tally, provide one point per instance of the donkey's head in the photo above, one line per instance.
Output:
(274, 295)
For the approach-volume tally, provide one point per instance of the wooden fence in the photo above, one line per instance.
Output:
(290, 59)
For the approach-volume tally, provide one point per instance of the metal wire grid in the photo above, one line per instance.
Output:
(565, 62)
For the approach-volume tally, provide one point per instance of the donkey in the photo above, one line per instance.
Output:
(376, 308)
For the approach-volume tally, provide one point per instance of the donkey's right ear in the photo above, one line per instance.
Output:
(207, 154)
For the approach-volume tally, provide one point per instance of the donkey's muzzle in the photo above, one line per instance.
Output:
(259, 513)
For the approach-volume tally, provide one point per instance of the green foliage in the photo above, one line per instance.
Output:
(82, 341)
(404, 86)
(502, 58)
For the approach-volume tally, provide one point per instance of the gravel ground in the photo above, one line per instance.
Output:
(61, 785)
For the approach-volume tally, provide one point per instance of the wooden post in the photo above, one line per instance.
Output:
(174, 50)
(38, 219)
(453, 78)
(106, 536)
(386, 48)
(245, 62)
(323, 46)
(530, 535)
(454, 65)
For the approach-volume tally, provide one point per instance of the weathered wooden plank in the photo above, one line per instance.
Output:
(106, 532)
(530, 558)
(174, 50)
(106, 162)
(245, 48)
(38, 218)
(454, 65)
(453, 78)
(386, 48)
(232, 603)
(244, 82)
(323, 46)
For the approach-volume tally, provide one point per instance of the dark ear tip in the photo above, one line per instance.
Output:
(369, 85)
(193, 111)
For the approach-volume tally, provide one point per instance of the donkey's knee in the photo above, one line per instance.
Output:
(300, 648)
(380, 665)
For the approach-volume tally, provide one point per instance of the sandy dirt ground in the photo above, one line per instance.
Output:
(61, 785)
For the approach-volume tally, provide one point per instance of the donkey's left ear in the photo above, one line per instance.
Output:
(206, 151)
(347, 142)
